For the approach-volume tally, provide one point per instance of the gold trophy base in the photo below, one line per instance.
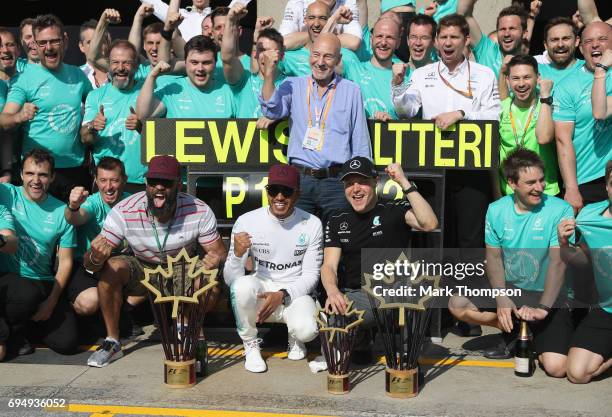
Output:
(401, 384)
(338, 384)
(179, 374)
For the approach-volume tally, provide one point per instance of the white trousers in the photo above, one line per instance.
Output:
(299, 315)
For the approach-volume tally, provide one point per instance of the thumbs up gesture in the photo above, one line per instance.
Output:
(99, 123)
(132, 122)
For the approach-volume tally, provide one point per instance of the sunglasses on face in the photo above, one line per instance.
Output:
(273, 190)
(154, 182)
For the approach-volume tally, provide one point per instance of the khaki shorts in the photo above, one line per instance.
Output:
(180, 286)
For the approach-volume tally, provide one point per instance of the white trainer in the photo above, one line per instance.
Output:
(297, 350)
(253, 360)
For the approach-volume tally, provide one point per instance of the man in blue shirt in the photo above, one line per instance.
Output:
(590, 351)
(327, 119)
(522, 254)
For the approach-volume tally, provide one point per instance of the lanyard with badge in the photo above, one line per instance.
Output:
(513, 123)
(466, 94)
(314, 137)
(160, 247)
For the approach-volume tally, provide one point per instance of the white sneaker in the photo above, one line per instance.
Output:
(297, 350)
(253, 360)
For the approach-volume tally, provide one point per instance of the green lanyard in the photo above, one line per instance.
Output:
(161, 248)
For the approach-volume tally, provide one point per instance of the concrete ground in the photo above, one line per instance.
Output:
(460, 383)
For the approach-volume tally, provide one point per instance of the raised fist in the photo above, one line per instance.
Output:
(399, 72)
(77, 197)
(160, 68)
(545, 87)
(173, 20)
(237, 12)
(264, 22)
(145, 10)
(242, 243)
(344, 15)
(270, 62)
(111, 16)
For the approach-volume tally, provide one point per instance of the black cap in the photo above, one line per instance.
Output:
(359, 165)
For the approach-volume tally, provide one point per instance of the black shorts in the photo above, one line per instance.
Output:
(594, 333)
(80, 280)
(553, 334)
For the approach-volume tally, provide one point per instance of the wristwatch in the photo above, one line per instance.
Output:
(602, 66)
(413, 187)
(546, 100)
(286, 297)
(2, 241)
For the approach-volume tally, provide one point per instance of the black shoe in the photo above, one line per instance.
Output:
(362, 357)
(505, 348)
(20, 346)
(468, 330)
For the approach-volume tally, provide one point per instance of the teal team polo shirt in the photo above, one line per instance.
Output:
(57, 123)
(596, 232)
(40, 227)
(592, 138)
(525, 238)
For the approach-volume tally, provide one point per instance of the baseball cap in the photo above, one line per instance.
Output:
(164, 167)
(281, 174)
(358, 165)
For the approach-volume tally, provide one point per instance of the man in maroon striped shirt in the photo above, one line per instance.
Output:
(155, 223)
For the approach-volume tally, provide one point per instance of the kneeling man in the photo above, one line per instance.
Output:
(285, 244)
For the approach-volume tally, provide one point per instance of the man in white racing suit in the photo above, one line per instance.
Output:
(286, 246)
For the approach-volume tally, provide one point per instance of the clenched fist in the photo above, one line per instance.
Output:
(399, 72)
(270, 63)
(27, 112)
(242, 243)
(545, 87)
(111, 16)
(77, 197)
(161, 68)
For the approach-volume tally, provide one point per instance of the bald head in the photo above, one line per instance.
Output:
(329, 41)
(391, 15)
(596, 39)
(324, 56)
(319, 7)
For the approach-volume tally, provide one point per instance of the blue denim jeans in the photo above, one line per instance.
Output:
(321, 197)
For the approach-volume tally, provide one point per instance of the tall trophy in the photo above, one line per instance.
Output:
(402, 315)
(179, 297)
(338, 336)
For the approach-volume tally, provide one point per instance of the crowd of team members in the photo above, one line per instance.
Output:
(69, 131)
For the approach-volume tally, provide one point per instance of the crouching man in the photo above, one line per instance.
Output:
(285, 244)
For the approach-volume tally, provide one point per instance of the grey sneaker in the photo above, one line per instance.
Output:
(109, 351)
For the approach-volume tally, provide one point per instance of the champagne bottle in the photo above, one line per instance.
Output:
(201, 357)
(524, 364)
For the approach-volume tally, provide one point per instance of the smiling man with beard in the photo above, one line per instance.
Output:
(560, 40)
(583, 143)
(200, 94)
(46, 99)
(369, 223)
(286, 245)
(511, 29)
(110, 125)
(155, 224)
(374, 76)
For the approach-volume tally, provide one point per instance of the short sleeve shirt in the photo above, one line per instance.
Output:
(40, 227)
(596, 232)
(382, 227)
(57, 123)
(193, 223)
(183, 100)
(97, 210)
(592, 138)
(115, 139)
(525, 238)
